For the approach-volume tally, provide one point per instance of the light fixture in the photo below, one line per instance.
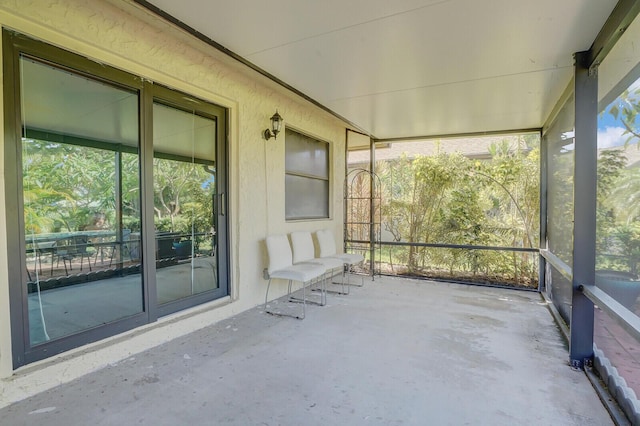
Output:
(276, 125)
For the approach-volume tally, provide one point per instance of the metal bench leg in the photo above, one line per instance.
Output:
(280, 314)
(304, 300)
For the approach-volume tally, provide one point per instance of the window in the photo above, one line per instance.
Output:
(306, 177)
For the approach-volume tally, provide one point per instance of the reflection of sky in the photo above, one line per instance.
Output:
(611, 130)
(208, 183)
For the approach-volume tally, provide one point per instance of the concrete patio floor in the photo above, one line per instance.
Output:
(394, 352)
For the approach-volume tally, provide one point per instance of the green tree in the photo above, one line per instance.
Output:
(619, 191)
(625, 109)
(447, 198)
(512, 182)
(415, 191)
(624, 200)
(610, 167)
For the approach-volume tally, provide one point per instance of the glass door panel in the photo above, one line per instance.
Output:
(184, 182)
(81, 201)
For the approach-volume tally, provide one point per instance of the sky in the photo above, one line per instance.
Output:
(610, 130)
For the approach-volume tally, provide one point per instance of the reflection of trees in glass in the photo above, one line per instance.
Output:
(183, 196)
(64, 185)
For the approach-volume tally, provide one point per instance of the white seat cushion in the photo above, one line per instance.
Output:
(327, 245)
(349, 258)
(328, 262)
(302, 272)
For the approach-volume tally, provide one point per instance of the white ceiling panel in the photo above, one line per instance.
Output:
(413, 67)
(251, 26)
(486, 105)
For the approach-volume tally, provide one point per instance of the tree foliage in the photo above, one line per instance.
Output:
(625, 109)
(618, 206)
(451, 199)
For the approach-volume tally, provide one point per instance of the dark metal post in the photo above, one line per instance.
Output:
(372, 214)
(345, 212)
(118, 184)
(147, 235)
(584, 231)
(16, 265)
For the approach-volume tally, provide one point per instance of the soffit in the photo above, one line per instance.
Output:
(410, 67)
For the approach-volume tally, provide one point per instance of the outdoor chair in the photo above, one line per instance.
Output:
(327, 246)
(76, 246)
(103, 250)
(113, 249)
(82, 244)
(45, 248)
(182, 249)
(281, 266)
(304, 251)
(126, 243)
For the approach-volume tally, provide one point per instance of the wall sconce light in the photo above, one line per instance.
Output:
(276, 125)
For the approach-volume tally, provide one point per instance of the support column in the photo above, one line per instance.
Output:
(584, 230)
(372, 214)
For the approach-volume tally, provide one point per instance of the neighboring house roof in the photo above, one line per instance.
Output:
(471, 147)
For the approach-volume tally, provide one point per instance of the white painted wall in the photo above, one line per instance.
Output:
(126, 36)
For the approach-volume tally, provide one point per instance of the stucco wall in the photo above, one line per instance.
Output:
(125, 36)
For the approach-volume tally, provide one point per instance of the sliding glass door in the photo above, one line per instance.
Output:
(185, 181)
(117, 186)
(81, 199)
